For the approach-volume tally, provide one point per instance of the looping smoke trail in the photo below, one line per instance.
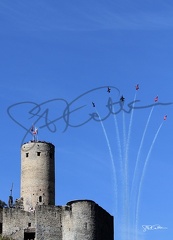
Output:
(113, 165)
(142, 177)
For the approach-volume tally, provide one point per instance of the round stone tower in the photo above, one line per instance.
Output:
(37, 174)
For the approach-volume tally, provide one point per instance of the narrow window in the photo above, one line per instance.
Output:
(29, 224)
(40, 199)
(38, 153)
(27, 154)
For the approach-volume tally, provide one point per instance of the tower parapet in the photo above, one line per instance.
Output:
(37, 174)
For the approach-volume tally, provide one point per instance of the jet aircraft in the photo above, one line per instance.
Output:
(156, 99)
(122, 98)
(109, 90)
(165, 117)
(137, 87)
(93, 104)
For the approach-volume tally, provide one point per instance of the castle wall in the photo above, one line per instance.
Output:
(48, 222)
(16, 222)
(37, 174)
(81, 220)
(78, 220)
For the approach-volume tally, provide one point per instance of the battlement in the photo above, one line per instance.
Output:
(28, 145)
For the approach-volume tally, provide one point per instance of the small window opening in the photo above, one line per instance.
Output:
(29, 224)
(40, 198)
(27, 154)
(38, 153)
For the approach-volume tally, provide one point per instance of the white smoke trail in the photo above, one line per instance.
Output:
(120, 184)
(119, 146)
(135, 177)
(125, 182)
(124, 170)
(140, 147)
(113, 165)
(142, 177)
(126, 167)
(119, 142)
(128, 137)
(124, 132)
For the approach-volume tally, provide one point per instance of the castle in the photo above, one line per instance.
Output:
(34, 215)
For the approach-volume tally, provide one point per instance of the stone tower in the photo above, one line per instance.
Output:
(37, 174)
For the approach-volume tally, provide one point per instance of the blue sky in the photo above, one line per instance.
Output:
(64, 49)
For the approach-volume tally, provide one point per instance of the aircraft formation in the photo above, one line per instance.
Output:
(122, 98)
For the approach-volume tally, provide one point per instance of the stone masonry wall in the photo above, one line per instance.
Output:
(78, 220)
(48, 222)
(86, 220)
(15, 221)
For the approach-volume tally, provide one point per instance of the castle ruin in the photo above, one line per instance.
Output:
(34, 216)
